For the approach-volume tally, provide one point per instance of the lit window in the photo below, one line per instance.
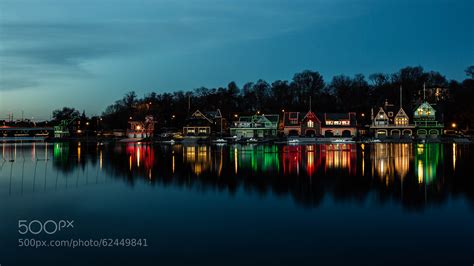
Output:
(310, 123)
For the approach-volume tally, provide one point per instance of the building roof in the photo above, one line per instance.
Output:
(213, 114)
(272, 118)
(351, 116)
(199, 118)
(288, 117)
(425, 111)
(292, 118)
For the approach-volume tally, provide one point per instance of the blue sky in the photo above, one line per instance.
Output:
(88, 53)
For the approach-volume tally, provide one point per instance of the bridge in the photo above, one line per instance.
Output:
(25, 131)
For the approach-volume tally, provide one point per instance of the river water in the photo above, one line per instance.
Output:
(346, 204)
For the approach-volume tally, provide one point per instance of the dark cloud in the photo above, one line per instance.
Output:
(16, 84)
(57, 44)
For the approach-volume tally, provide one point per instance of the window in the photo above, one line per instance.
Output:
(310, 123)
(401, 121)
(390, 114)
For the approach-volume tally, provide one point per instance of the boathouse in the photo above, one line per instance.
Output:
(203, 123)
(256, 126)
(339, 124)
(391, 121)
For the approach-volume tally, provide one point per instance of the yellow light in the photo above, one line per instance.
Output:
(236, 115)
(454, 156)
(138, 127)
(420, 172)
(453, 125)
(138, 157)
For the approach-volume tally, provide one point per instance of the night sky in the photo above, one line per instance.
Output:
(87, 53)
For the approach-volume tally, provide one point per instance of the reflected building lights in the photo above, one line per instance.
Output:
(428, 157)
(454, 156)
(310, 160)
(173, 163)
(236, 165)
(362, 146)
(143, 157)
(412, 168)
(138, 156)
(420, 172)
(79, 152)
(100, 159)
(402, 154)
(198, 157)
(391, 160)
(340, 156)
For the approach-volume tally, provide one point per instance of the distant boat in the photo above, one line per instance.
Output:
(252, 140)
(293, 141)
(169, 141)
(131, 140)
(342, 141)
(374, 141)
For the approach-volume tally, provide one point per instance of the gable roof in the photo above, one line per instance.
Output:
(311, 115)
(272, 118)
(214, 114)
(425, 110)
(199, 115)
(382, 113)
(401, 112)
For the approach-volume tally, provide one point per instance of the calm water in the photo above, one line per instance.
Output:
(392, 204)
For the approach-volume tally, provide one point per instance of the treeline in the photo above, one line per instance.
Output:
(341, 94)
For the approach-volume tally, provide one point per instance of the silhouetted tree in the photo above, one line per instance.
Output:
(65, 113)
(470, 72)
(342, 94)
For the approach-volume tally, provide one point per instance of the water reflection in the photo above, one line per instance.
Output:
(391, 161)
(427, 158)
(412, 174)
(340, 156)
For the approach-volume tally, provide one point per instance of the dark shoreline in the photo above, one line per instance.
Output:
(303, 141)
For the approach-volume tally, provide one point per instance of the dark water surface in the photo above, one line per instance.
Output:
(381, 204)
